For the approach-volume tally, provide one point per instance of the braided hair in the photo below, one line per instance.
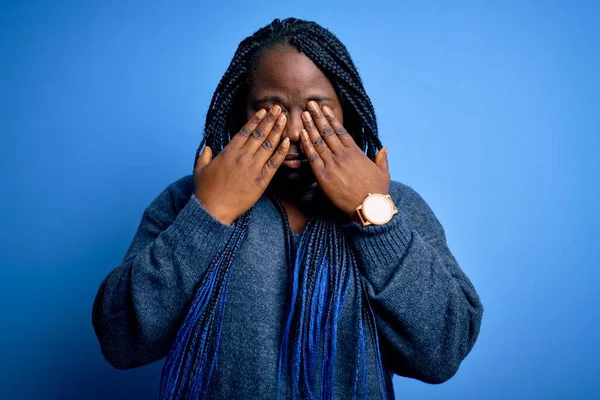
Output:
(324, 263)
(225, 113)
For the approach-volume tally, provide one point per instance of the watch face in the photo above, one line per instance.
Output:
(377, 209)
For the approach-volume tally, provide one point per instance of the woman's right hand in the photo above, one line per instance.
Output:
(232, 183)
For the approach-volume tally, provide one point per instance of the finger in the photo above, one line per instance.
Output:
(262, 131)
(323, 126)
(381, 159)
(268, 146)
(341, 132)
(241, 137)
(273, 163)
(315, 137)
(315, 160)
(204, 158)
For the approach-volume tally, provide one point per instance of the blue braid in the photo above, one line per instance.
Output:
(324, 263)
(322, 269)
(187, 371)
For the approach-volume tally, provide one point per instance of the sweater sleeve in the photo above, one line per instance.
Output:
(427, 311)
(142, 302)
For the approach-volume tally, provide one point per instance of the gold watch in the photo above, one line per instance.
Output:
(376, 209)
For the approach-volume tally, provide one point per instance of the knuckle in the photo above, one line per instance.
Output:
(313, 157)
(271, 117)
(318, 142)
(341, 162)
(277, 129)
(272, 164)
(259, 181)
(327, 132)
(258, 133)
(267, 144)
(341, 131)
(240, 159)
(255, 120)
(245, 132)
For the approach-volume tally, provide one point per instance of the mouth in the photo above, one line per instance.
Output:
(295, 160)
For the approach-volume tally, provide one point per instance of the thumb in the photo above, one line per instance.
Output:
(204, 158)
(381, 159)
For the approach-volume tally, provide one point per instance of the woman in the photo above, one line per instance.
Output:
(289, 264)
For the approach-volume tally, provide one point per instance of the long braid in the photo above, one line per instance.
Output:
(324, 263)
(322, 270)
(186, 372)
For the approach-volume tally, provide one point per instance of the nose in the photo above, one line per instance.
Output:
(293, 127)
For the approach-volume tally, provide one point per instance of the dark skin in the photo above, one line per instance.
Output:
(305, 118)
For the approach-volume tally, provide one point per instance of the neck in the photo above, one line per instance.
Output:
(309, 202)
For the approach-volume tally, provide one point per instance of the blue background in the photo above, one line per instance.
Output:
(489, 111)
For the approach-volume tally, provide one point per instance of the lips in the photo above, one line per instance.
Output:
(294, 160)
(295, 156)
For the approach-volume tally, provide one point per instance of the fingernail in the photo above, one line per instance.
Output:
(275, 109)
(312, 105)
(326, 110)
(286, 141)
(303, 133)
(261, 113)
(306, 116)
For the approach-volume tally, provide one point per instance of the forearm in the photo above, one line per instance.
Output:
(427, 310)
(428, 315)
(142, 302)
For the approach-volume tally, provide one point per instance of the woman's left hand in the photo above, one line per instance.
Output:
(343, 171)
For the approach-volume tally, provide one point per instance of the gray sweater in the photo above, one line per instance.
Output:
(428, 312)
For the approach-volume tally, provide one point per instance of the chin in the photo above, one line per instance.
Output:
(301, 188)
(295, 183)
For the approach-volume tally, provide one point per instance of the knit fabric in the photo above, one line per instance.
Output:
(428, 313)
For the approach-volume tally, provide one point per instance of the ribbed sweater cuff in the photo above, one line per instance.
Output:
(379, 248)
(212, 233)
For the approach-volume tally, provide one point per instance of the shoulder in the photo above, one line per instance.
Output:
(406, 195)
(182, 187)
(174, 196)
(415, 210)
